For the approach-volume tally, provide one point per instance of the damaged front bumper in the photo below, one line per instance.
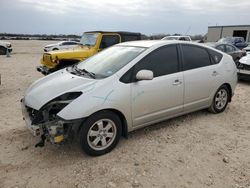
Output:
(244, 71)
(55, 131)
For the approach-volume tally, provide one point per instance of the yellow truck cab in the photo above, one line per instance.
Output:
(91, 43)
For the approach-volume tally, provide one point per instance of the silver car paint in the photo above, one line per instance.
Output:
(142, 103)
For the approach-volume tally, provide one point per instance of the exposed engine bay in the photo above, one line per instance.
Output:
(45, 122)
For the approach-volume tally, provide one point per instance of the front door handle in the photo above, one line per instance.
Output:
(215, 73)
(177, 82)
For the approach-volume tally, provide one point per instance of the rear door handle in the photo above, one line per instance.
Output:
(177, 82)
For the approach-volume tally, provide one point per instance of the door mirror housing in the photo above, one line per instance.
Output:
(144, 75)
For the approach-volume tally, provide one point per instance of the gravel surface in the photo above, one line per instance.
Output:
(195, 150)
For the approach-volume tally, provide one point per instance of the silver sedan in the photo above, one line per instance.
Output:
(126, 87)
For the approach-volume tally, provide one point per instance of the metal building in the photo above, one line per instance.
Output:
(217, 32)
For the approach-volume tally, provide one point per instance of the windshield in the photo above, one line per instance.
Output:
(109, 61)
(170, 38)
(89, 39)
(225, 40)
(210, 44)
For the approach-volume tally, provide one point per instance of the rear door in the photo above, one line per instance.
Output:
(231, 50)
(157, 99)
(200, 76)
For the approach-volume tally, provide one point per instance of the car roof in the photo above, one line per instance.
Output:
(151, 43)
(177, 36)
(119, 32)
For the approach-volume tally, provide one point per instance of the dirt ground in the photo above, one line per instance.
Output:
(197, 150)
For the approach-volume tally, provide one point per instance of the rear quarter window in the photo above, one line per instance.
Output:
(215, 56)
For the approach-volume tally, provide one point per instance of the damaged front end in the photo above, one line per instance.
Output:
(47, 124)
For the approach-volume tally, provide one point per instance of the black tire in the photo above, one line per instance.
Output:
(90, 125)
(55, 49)
(215, 107)
(3, 50)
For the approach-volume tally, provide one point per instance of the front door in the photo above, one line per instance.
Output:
(162, 97)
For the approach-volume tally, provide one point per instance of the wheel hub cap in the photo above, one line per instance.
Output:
(221, 99)
(101, 134)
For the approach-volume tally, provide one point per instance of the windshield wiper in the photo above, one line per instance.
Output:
(91, 74)
(83, 71)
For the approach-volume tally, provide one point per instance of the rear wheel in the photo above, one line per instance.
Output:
(100, 133)
(220, 100)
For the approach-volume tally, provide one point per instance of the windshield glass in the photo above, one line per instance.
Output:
(172, 38)
(225, 40)
(210, 44)
(109, 61)
(89, 39)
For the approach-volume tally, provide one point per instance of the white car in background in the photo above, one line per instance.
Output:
(126, 87)
(183, 38)
(247, 48)
(244, 67)
(4, 46)
(64, 45)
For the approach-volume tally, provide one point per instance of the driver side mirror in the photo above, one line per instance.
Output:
(144, 75)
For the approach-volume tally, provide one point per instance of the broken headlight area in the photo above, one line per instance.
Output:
(50, 126)
(243, 66)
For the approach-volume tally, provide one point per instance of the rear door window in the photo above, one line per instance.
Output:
(229, 48)
(195, 57)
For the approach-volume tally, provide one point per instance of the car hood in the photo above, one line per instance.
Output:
(78, 52)
(246, 59)
(6, 44)
(54, 85)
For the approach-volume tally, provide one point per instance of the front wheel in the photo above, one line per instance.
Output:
(220, 100)
(100, 133)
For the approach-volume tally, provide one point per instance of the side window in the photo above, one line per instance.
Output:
(182, 38)
(215, 56)
(66, 43)
(71, 43)
(221, 48)
(161, 62)
(109, 40)
(229, 49)
(187, 38)
(195, 57)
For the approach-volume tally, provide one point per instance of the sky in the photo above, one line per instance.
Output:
(145, 16)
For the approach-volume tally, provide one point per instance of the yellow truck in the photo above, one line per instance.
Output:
(91, 43)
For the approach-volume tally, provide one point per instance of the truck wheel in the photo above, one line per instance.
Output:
(3, 50)
(100, 133)
(220, 100)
